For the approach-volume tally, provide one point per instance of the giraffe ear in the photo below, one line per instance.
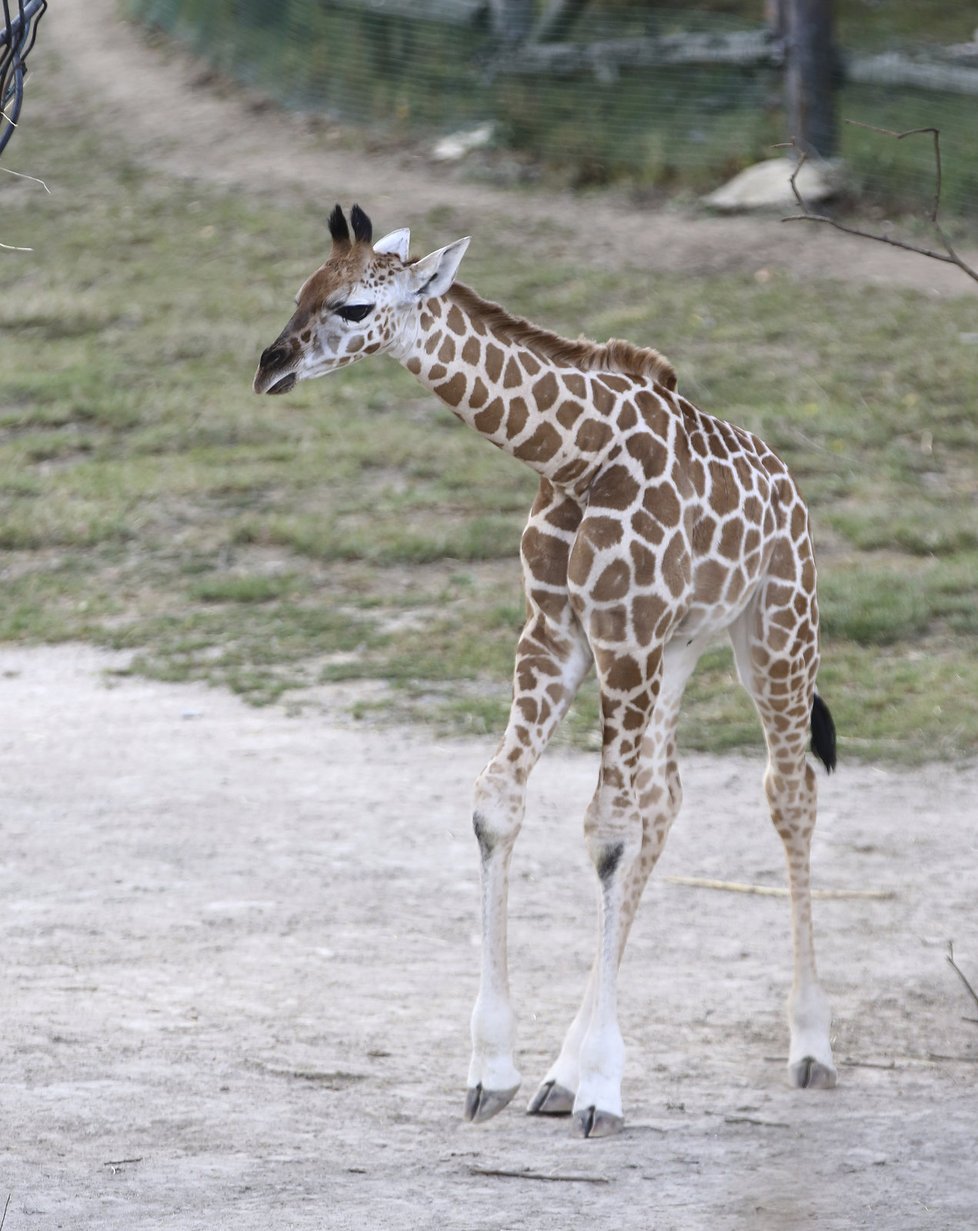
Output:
(396, 243)
(435, 273)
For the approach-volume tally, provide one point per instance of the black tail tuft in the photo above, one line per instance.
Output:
(823, 733)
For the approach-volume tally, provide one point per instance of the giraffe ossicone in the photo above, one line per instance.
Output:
(657, 527)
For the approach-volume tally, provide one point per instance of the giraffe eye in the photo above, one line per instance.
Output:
(355, 311)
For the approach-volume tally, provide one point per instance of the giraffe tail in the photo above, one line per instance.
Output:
(823, 733)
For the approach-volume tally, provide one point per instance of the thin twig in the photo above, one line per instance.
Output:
(868, 1064)
(961, 975)
(539, 1175)
(751, 1120)
(930, 1057)
(3, 1216)
(13, 247)
(775, 891)
(949, 256)
(910, 132)
(21, 175)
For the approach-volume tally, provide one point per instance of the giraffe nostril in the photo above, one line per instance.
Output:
(272, 357)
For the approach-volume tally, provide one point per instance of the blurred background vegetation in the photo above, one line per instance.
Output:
(434, 66)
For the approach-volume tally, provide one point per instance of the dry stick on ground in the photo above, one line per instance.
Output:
(775, 891)
(539, 1175)
(751, 1120)
(869, 1064)
(949, 256)
(961, 975)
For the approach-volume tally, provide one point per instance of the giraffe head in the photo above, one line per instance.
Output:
(365, 299)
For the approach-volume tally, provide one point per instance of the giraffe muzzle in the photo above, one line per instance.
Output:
(283, 385)
(275, 357)
(266, 382)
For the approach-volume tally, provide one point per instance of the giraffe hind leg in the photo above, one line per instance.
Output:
(778, 670)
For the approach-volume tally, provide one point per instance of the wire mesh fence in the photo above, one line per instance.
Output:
(605, 102)
(18, 29)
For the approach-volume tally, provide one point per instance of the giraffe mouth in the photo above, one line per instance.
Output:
(283, 385)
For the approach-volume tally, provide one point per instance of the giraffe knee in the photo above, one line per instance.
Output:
(661, 798)
(613, 836)
(497, 813)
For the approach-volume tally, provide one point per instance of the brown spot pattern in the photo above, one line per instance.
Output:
(655, 526)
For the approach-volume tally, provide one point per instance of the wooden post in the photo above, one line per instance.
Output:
(774, 17)
(511, 21)
(809, 75)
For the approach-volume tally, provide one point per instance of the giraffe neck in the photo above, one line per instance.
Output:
(542, 409)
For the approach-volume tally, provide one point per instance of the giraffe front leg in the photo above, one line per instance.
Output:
(613, 828)
(555, 1094)
(660, 796)
(493, 1076)
(550, 663)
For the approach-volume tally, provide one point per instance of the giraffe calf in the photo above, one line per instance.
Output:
(656, 528)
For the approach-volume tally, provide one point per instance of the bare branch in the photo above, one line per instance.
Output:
(910, 132)
(949, 256)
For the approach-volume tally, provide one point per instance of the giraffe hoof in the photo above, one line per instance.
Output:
(810, 1074)
(551, 1099)
(483, 1104)
(593, 1123)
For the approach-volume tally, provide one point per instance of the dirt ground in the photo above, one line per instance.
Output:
(239, 949)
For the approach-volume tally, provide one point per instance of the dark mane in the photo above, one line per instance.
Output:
(615, 355)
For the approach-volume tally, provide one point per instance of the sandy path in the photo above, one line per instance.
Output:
(239, 951)
(153, 100)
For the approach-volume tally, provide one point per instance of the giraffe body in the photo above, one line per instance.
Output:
(656, 528)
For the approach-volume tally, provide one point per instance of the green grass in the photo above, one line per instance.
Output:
(354, 531)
